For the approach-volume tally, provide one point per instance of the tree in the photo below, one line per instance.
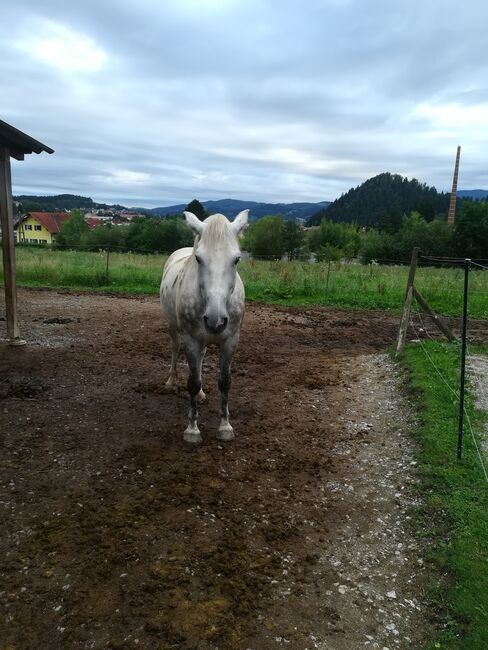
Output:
(74, 231)
(434, 238)
(332, 240)
(154, 234)
(106, 236)
(292, 239)
(197, 208)
(264, 238)
(471, 230)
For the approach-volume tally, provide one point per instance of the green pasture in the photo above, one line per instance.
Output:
(346, 285)
(453, 518)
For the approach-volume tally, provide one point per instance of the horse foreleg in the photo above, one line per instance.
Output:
(194, 355)
(225, 432)
(175, 348)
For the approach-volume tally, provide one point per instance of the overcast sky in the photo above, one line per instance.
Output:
(154, 102)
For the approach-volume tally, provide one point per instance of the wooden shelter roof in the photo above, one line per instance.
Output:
(19, 143)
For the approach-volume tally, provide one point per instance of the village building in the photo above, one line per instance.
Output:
(92, 221)
(40, 227)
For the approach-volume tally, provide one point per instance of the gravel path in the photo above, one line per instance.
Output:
(478, 372)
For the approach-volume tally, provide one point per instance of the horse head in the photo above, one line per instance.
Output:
(216, 254)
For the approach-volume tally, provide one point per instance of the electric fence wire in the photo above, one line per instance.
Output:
(454, 392)
(481, 266)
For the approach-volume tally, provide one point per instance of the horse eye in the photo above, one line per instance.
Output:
(236, 260)
(198, 259)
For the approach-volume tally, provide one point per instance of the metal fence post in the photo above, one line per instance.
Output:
(467, 264)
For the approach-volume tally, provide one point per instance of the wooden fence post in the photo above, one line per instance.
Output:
(402, 334)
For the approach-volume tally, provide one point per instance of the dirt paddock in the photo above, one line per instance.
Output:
(116, 534)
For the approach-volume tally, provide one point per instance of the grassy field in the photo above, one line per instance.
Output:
(454, 519)
(291, 283)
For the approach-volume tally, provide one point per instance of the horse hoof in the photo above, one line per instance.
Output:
(192, 433)
(171, 385)
(201, 396)
(192, 438)
(225, 433)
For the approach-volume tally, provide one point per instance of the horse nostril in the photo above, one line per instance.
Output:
(225, 322)
(205, 318)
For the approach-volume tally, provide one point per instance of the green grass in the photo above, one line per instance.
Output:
(362, 286)
(127, 272)
(454, 519)
(289, 283)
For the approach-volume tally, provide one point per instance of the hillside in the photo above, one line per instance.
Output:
(55, 203)
(475, 195)
(382, 197)
(231, 207)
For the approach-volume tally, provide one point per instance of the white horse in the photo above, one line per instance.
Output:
(202, 297)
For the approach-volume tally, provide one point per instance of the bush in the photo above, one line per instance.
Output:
(332, 241)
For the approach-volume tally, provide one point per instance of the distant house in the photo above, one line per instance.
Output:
(40, 227)
(93, 222)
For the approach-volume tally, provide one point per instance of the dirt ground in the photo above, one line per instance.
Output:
(117, 534)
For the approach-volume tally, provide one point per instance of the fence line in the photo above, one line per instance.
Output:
(458, 394)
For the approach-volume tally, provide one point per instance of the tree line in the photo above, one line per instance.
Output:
(273, 237)
(391, 240)
(145, 234)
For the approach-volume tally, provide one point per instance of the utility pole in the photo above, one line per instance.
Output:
(452, 202)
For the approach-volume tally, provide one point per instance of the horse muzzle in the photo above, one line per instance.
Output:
(215, 325)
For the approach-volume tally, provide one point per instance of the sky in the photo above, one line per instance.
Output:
(156, 102)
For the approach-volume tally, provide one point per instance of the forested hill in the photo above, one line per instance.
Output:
(231, 207)
(54, 203)
(382, 197)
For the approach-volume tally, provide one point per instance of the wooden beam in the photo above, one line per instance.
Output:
(437, 321)
(8, 246)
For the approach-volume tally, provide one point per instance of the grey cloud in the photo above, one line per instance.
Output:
(264, 100)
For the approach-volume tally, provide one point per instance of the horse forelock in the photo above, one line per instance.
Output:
(217, 230)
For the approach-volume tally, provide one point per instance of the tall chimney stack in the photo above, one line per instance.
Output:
(452, 202)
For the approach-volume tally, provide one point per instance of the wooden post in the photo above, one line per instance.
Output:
(437, 321)
(402, 333)
(8, 247)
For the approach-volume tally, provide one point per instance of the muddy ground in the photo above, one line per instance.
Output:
(117, 534)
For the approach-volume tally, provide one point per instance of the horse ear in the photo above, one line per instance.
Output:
(193, 222)
(240, 222)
